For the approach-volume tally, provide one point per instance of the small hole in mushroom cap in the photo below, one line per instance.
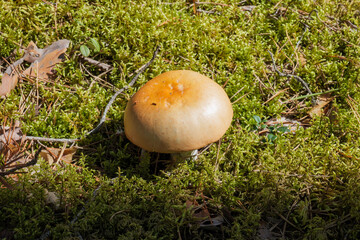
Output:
(153, 104)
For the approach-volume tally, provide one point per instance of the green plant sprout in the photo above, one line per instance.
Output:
(93, 44)
(263, 184)
(273, 131)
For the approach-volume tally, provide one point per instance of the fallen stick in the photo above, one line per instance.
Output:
(299, 79)
(102, 120)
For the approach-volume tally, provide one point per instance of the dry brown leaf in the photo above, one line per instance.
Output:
(43, 61)
(275, 95)
(199, 212)
(9, 137)
(10, 78)
(8, 83)
(46, 60)
(32, 53)
(13, 150)
(319, 108)
(51, 154)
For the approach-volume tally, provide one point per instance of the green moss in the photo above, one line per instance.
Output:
(309, 178)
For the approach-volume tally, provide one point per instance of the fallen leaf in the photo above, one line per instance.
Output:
(43, 61)
(319, 108)
(199, 212)
(292, 125)
(9, 136)
(10, 78)
(8, 83)
(51, 154)
(47, 59)
(213, 222)
(13, 149)
(201, 215)
(32, 53)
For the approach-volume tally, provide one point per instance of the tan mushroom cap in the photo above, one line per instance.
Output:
(177, 111)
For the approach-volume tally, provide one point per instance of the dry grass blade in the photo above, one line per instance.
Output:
(58, 155)
(275, 95)
(352, 104)
(13, 152)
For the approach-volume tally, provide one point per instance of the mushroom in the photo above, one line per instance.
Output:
(177, 112)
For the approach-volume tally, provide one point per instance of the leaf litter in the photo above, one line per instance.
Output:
(53, 155)
(42, 63)
(13, 151)
(201, 215)
(13, 144)
(321, 107)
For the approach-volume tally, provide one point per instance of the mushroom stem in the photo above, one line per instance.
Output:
(184, 155)
(144, 156)
(176, 157)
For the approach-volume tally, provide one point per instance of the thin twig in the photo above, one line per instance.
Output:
(237, 92)
(240, 98)
(61, 154)
(281, 74)
(44, 139)
(302, 35)
(94, 62)
(101, 81)
(102, 120)
(287, 220)
(12, 67)
(351, 103)
(311, 95)
(172, 3)
(208, 12)
(305, 30)
(213, 3)
(5, 183)
(30, 163)
(275, 95)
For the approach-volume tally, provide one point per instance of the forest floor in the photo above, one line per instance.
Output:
(287, 168)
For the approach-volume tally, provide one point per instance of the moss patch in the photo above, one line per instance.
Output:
(302, 185)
